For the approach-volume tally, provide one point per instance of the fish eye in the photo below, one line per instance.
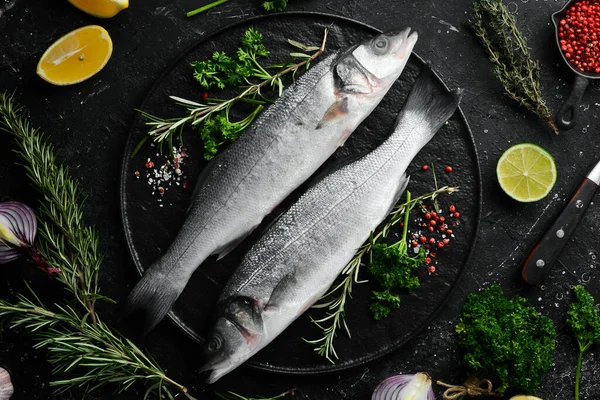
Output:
(380, 45)
(215, 344)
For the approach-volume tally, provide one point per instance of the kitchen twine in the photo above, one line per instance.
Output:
(472, 387)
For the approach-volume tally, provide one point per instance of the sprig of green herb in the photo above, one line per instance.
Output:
(392, 268)
(507, 48)
(275, 5)
(224, 70)
(335, 316)
(199, 114)
(84, 351)
(584, 321)
(235, 396)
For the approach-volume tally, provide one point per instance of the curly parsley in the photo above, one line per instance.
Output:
(224, 70)
(393, 269)
(505, 340)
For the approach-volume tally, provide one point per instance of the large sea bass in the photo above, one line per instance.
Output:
(294, 263)
(277, 153)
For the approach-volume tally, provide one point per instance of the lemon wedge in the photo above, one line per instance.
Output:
(101, 8)
(76, 56)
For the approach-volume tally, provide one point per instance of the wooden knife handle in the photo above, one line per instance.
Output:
(539, 262)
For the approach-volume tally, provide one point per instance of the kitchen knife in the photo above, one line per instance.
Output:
(539, 262)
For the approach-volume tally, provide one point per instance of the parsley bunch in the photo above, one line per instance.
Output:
(241, 70)
(584, 321)
(392, 268)
(505, 340)
(223, 70)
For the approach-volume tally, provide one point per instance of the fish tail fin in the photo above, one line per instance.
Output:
(154, 294)
(433, 107)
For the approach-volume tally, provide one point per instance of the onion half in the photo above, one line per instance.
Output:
(18, 227)
(405, 387)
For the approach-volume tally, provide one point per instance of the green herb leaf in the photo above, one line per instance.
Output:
(276, 5)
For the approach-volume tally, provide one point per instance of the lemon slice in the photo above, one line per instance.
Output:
(76, 56)
(524, 397)
(526, 172)
(101, 8)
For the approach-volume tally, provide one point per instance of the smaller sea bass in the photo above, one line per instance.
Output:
(298, 258)
(280, 150)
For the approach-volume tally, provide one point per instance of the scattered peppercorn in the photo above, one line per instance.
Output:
(422, 239)
(432, 240)
(427, 216)
(431, 269)
(448, 169)
(205, 95)
(456, 214)
(451, 209)
(149, 164)
(425, 167)
(137, 174)
(430, 229)
(440, 245)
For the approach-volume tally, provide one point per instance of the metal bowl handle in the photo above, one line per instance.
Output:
(567, 115)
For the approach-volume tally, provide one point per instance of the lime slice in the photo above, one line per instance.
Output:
(526, 172)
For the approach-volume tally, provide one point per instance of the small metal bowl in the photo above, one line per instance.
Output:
(567, 115)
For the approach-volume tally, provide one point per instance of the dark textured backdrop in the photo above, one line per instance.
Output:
(88, 124)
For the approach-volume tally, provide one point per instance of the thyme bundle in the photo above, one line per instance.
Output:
(507, 48)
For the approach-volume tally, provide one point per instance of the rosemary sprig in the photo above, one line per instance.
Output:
(335, 316)
(235, 396)
(74, 344)
(67, 243)
(80, 346)
(163, 130)
(507, 48)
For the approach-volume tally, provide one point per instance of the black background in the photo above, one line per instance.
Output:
(88, 124)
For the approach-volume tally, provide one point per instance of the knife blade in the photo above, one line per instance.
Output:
(543, 256)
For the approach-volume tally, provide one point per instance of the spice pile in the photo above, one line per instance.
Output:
(579, 32)
(161, 179)
(438, 230)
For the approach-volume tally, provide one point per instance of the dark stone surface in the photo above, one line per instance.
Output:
(88, 124)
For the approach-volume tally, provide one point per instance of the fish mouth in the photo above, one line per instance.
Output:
(403, 42)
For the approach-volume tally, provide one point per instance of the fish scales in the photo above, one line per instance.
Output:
(296, 261)
(285, 145)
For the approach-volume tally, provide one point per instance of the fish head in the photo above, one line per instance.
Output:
(374, 65)
(235, 337)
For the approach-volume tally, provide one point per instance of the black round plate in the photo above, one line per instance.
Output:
(150, 226)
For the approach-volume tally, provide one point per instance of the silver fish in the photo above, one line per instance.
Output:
(277, 153)
(296, 261)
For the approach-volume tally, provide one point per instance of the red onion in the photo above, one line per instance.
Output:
(405, 387)
(18, 227)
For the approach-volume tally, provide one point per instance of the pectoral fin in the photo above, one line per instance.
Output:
(337, 110)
